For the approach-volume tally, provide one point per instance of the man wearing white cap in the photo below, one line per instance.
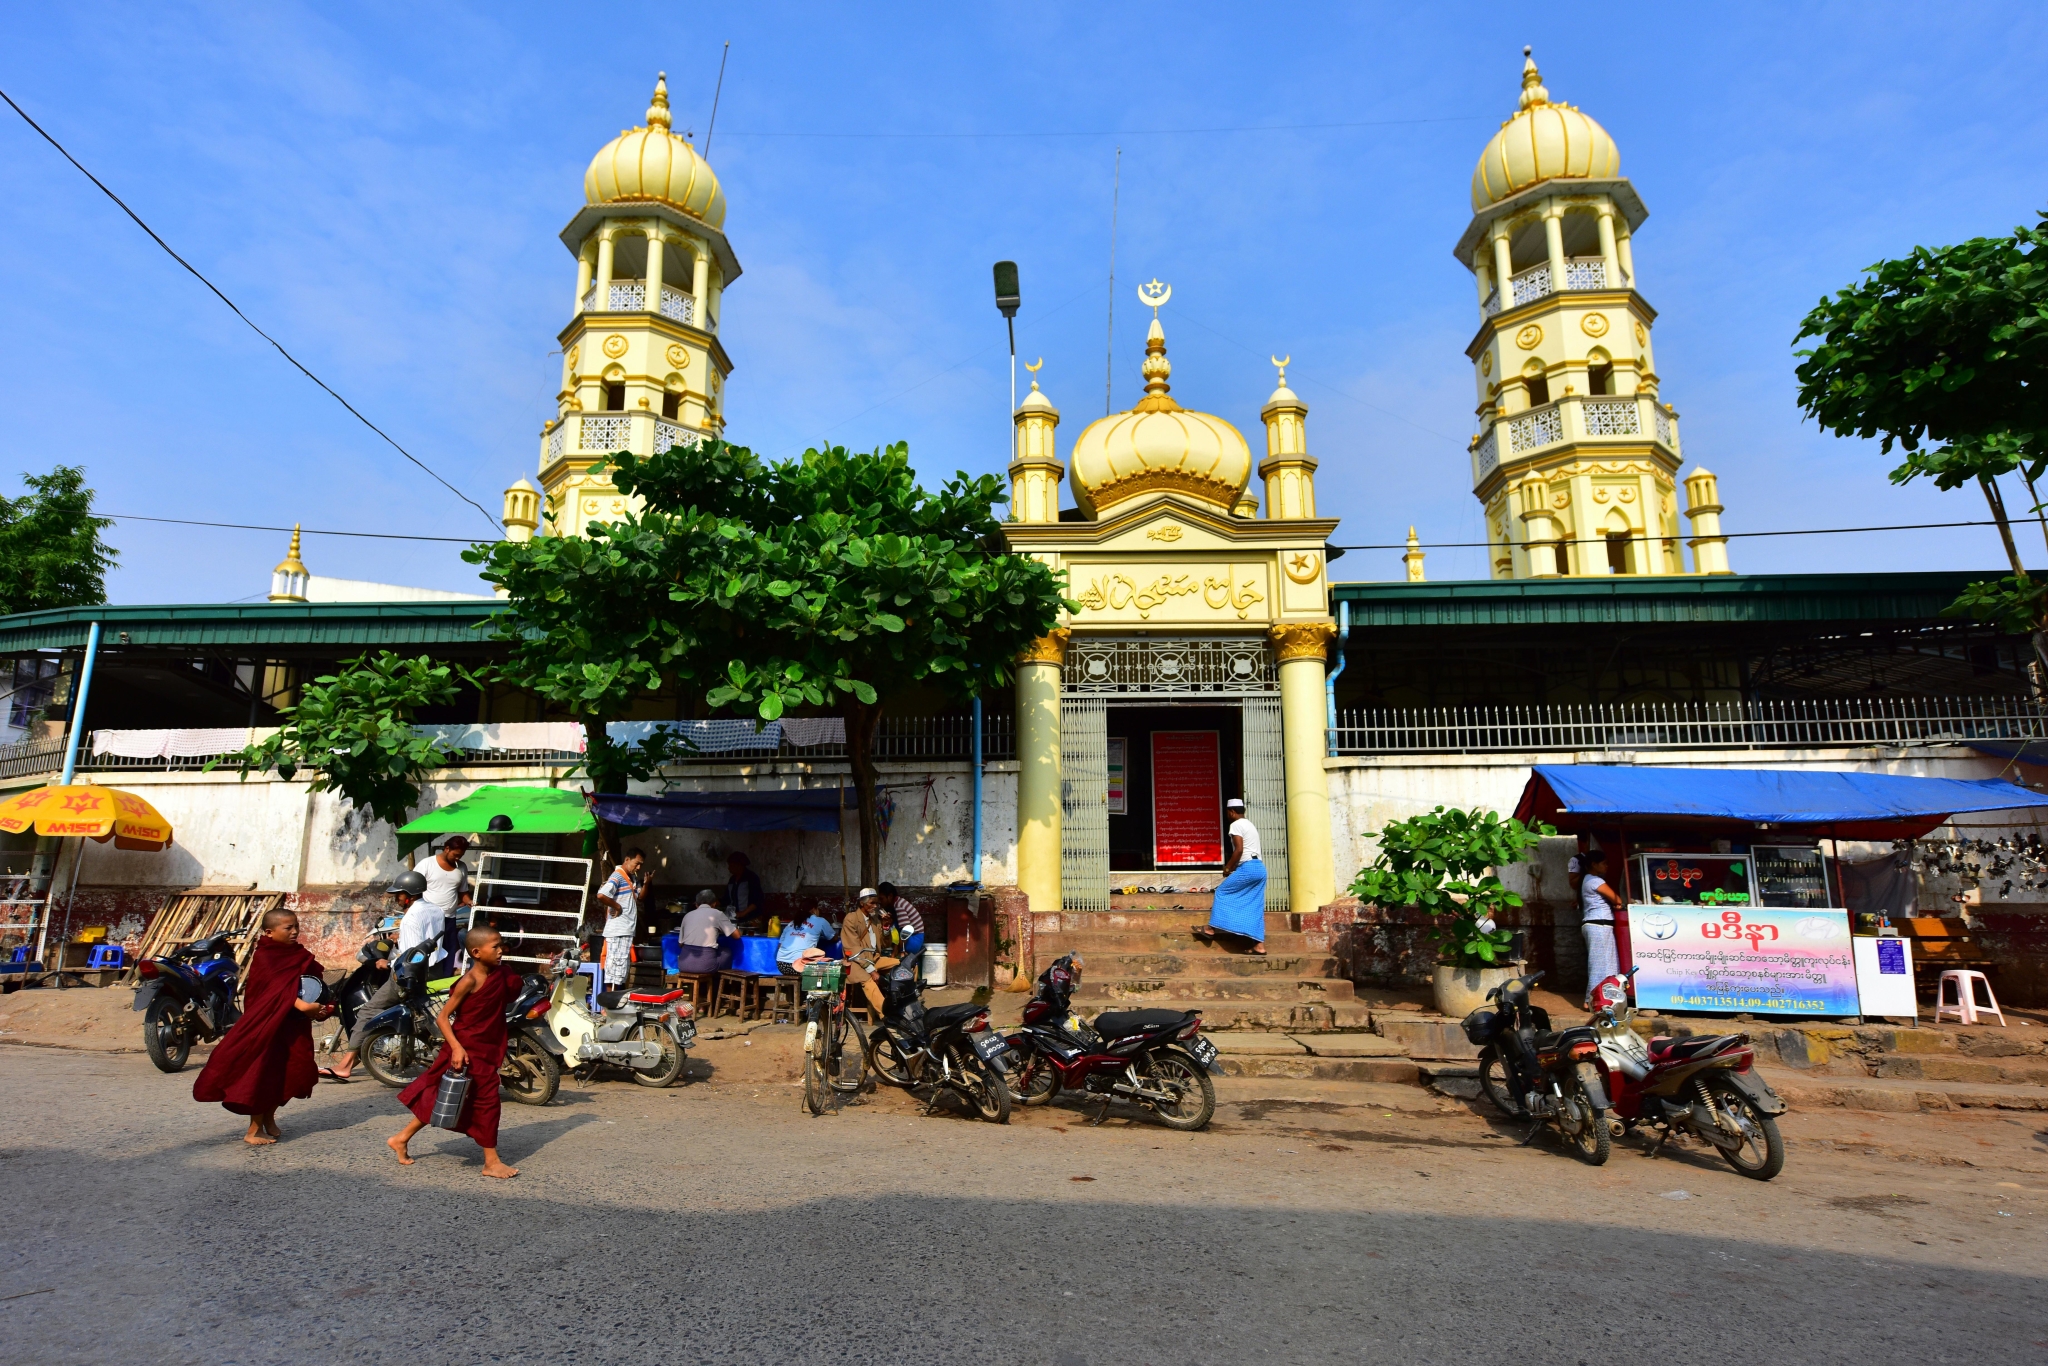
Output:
(1239, 908)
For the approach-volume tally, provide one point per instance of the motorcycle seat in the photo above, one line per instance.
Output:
(941, 1016)
(1121, 1024)
(611, 1000)
(655, 998)
(1675, 1049)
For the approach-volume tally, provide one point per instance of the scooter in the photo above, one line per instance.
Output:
(187, 996)
(950, 1049)
(647, 1033)
(1157, 1058)
(1705, 1087)
(353, 992)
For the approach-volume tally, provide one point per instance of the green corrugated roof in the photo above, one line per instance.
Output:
(342, 624)
(1719, 598)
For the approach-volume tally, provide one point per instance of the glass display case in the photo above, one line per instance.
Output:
(1693, 879)
(1790, 875)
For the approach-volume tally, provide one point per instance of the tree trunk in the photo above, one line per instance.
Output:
(595, 746)
(2012, 553)
(862, 722)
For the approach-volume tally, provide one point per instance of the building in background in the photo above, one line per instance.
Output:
(1577, 457)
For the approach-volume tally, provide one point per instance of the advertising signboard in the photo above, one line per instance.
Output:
(1754, 960)
(1187, 798)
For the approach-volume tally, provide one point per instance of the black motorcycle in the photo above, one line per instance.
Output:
(1531, 1071)
(1157, 1058)
(947, 1050)
(352, 993)
(404, 1039)
(187, 997)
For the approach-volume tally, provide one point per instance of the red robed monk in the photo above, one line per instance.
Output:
(473, 1023)
(266, 1059)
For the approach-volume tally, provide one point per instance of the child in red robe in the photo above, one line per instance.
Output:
(266, 1058)
(473, 1023)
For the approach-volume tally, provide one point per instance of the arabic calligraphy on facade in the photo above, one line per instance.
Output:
(1236, 591)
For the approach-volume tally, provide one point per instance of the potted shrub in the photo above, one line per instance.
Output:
(1447, 863)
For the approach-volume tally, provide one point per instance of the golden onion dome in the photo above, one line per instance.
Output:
(1543, 141)
(1159, 445)
(652, 163)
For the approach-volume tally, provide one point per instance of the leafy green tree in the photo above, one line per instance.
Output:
(354, 730)
(51, 554)
(832, 582)
(1446, 863)
(1942, 353)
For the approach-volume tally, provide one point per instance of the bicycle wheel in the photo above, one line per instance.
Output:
(846, 1054)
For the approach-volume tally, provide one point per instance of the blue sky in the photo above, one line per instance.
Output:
(381, 186)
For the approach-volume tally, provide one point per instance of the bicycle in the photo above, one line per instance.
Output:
(830, 1066)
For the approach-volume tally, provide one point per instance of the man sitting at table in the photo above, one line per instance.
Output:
(800, 937)
(706, 942)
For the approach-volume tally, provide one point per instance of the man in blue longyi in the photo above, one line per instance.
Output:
(1239, 909)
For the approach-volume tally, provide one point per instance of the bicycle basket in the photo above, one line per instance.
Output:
(824, 976)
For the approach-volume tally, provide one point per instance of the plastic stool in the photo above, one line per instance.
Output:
(1965, 1007)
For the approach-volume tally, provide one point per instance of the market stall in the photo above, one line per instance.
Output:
(1734, 897)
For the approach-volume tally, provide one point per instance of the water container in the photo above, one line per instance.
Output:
(935, 965)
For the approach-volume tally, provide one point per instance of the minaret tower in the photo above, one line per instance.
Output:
(1288, 469)
(1576, 459)
(1036, 471)
(642, 366)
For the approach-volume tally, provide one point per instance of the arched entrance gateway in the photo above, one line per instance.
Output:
(1191, 670)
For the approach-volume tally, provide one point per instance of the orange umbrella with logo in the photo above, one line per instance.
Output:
(88, 810)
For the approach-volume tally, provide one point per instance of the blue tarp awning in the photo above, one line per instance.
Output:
(745, 811)
(1577, 797)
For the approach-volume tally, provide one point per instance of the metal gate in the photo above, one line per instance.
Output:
(1084, 803)
(1265, 793)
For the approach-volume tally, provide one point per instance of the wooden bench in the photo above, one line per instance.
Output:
(1942, 942)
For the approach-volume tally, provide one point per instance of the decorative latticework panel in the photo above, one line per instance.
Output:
(667, 434)
(628, 298)
(1539, 428)
(613, 433)
(1611, 417)
(677, 305)
(1203, 666)
(1084, 803)
(1265, 793)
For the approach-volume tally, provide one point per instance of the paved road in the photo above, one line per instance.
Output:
(715, 1223)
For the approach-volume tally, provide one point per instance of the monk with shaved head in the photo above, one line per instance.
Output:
(473, 1023)
(267, 1057)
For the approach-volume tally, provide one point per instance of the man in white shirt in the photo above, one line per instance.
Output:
(1239, 906)
(419, 924)
(1599, 903)
(698, 941)
(620, 896)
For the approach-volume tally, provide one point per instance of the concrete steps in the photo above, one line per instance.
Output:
(1172, 937)
(1276, 1015)
(1103, 965)
(1319, 1057)
(1138, 990)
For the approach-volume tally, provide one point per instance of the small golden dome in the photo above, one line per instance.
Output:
(1159, 445)
(1037, 402)
(1543, 141)
(652, 163)
(291, 564)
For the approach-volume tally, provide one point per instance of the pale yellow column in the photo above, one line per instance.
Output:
(1038, 771)
(603, 302)
(654, 252)
(1553, 239)
(1311, 864)
(1628, 260)
(1503, 268)
(1608, 255)
(584, 267)
(709, 322)
(700, 287)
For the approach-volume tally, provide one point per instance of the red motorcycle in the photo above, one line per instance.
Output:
(1706, 1087)
(1157, 1058)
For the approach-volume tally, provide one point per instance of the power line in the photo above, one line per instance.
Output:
(240, 314)
(1726, 535)
(1122, 132)
(304, 531)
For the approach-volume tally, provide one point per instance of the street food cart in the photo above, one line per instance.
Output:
(1733, 893)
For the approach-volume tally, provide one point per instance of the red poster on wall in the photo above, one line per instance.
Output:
(1187, 799)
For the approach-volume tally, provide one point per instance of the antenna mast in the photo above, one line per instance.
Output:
(720, 90)
(1109, 348)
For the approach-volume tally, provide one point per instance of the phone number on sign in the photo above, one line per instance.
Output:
(1747, 1003)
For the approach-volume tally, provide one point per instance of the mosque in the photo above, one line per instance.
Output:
(1196, 660)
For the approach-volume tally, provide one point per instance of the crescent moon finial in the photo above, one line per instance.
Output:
(1280, 363)
(1154, 295)
(1034, 369)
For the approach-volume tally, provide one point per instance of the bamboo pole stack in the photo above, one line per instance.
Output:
(188, 916)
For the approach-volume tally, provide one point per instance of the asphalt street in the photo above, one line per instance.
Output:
(716, 1222)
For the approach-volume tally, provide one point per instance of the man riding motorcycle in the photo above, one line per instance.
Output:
(420, 922)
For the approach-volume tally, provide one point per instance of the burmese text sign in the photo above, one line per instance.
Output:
(1187, 798)
(1758, 960)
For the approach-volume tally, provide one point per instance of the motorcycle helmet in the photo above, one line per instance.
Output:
(501, 823)
(411, 882)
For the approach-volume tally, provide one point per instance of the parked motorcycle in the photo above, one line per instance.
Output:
(647, 1033)
(949, 1049)
(353, 992)
(1531, 1071)
(1703, 1087)
(187, 997)
(1157, 1058)
(404, 1039)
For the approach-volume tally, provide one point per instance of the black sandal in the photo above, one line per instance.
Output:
(1203, 933)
